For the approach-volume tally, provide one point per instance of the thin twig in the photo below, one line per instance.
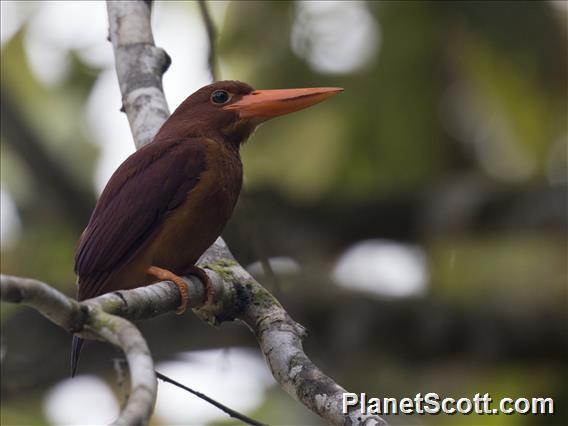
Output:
(211, 35)
(232, 413)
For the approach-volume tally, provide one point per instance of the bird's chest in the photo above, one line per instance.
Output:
(199, 220)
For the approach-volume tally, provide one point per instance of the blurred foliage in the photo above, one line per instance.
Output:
(464, 97)
(390, 113)
(493, 268)
(26, 410)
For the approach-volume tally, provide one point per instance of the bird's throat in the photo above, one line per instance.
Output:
(238, 132)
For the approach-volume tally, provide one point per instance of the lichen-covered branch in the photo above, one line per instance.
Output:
(57, 307)
(278, 335)
(139, 67)
(237, 295)
(280, 340)
(90, 321)
(125, 335)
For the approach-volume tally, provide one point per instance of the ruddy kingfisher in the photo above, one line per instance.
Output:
(169, 201)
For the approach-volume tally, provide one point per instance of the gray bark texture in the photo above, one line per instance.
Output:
(237, 295)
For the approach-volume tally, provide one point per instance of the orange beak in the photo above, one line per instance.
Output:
(263, 105)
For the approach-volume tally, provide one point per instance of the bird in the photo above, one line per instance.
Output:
(170, 200)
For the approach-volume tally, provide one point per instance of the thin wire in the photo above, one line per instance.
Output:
(232, 413)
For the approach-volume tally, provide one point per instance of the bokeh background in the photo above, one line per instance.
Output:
(416, 224)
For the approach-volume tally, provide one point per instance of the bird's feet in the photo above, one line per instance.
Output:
(164, 274)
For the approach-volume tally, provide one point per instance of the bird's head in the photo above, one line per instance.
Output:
(234, 109)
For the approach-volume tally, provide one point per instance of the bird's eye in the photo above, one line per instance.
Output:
(220, 97)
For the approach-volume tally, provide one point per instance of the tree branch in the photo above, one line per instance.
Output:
(280, 340)
(237, 295)
(96, 323)
(139, 67)
(125, 335)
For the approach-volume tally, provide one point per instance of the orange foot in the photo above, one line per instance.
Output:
(165, 275)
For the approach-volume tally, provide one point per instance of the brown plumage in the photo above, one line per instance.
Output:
(169, 201)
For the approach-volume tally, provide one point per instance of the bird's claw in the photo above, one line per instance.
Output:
(164, 274)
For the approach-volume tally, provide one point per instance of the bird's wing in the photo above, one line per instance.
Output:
(151, 182)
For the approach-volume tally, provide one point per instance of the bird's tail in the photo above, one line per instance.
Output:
(75, 352)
